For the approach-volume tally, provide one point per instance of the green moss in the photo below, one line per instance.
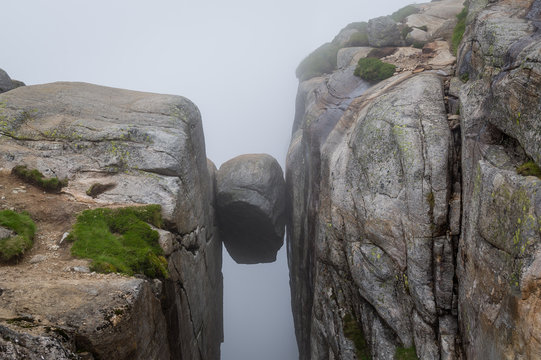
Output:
(36, 178)
(353, 332)
(405, 31)
(120, 240)
(458, 32)
(319, 62)
(529, 168)
(465, 77)
(373, 69)
(406, 353)
(404, 12)
(24, 228)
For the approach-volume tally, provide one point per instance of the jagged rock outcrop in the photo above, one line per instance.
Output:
(144, 148)
(499, 257)
(250, 204)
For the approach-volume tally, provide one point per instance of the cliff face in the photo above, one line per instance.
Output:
(499, 259)
(383, 260)
(147, 149)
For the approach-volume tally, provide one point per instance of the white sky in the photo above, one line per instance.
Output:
(234, 59)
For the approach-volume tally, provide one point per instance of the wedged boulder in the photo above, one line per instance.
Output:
(383, 31)
(250, 201)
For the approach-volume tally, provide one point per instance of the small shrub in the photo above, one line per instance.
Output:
(357, 39)
(418, 45)
(353, 332)
(458, 32)
(24, 228)
(404, 12)
(529, 168)
(402, 353)
(373, 69)
(36, 178)
(465, 77)
(319, 62)
(120, 240)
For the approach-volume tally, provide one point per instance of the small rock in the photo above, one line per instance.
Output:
(5, 233)
(81, 269)
(38, 258)
(53, 247)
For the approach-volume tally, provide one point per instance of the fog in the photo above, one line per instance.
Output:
(235, 60)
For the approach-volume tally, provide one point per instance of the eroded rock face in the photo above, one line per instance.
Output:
(250, 201)
(499, 255)
(150, 149)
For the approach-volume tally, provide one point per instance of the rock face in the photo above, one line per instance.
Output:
(383, 31)
(250, 203)
(6, 83)
(499, 257)
(151, 148)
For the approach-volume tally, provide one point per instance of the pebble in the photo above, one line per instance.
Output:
(37, 259)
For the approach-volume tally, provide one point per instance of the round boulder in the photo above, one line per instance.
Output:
(250, 204)
(383, 31)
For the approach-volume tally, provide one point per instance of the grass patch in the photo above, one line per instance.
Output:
(406, 353)
(319, 62)
(120, 240)
(36, 178)
(401, 14)
(353, 332)
(373, 69)
(24, 228)
(529, 168)
(458, 32)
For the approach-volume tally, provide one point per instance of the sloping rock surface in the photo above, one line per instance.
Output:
(151, 148)
(250, 203)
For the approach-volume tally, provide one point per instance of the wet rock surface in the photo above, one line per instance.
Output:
(250, 202)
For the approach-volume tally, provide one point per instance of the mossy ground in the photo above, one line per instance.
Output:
(373, 69)
(353, 332)
(24, 228)
(120, 240)
(36, 178)
(529, 168)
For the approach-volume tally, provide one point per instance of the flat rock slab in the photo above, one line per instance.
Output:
(251, 207)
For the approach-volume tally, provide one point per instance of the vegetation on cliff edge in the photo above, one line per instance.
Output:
(458, 32)
(24, 228)
(120, 240)
(373, 69)
(404, 12)
(319, 62)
